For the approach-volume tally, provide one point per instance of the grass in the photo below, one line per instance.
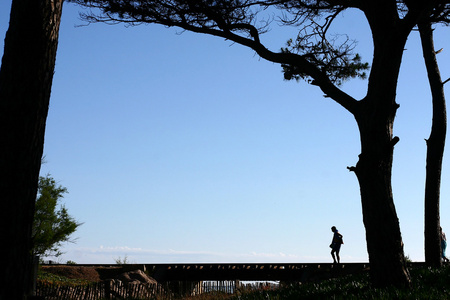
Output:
(52, 279)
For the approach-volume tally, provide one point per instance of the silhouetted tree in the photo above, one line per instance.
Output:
(435, 149)
(52, 224)
(25, 83)
(326, 63)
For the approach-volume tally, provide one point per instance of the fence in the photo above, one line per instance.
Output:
(102, 290)
(231, 286)
(115, 289)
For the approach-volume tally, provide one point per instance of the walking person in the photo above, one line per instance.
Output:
(336, 243)
(443, 245)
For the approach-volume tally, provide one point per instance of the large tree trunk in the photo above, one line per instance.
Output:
(373, 170)
(25, 83)
(435, 150)
(375, 117)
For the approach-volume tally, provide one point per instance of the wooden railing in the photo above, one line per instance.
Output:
(241, 271)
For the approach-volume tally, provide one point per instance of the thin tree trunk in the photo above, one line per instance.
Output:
(435, 150)
(25, 83)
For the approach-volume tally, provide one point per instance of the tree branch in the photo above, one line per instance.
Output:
(233, 22)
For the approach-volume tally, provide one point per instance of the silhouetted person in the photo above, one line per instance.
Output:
(443, 245)
(336, 244)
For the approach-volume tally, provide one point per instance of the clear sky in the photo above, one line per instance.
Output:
(181, 147)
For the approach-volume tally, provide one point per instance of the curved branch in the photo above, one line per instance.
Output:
(319, 78)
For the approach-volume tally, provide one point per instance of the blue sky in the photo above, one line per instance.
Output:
(181, 147)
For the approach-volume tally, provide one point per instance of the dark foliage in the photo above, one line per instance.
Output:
(52, 224)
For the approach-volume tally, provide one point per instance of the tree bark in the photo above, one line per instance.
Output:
(375, 117)
(435, 150)
(25, 83)
(373, 170)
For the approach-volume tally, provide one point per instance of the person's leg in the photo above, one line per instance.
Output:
(338, 257)
(332, 255)
(443, 252)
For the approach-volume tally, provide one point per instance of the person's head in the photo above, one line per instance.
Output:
(333, 228)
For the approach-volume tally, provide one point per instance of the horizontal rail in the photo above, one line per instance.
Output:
(297, 272)
(244, 271)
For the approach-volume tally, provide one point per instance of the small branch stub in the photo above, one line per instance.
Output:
(395, 141)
